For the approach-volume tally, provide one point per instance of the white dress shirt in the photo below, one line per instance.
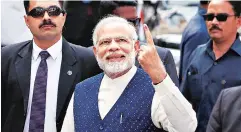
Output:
(54, 63)
(169, 107)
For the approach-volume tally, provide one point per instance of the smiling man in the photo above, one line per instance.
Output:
(124, 97)
(39, 76)
(215, 65)
(128, 10)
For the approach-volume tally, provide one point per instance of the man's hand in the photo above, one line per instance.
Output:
(150, 60)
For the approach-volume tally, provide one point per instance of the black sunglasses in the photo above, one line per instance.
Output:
(39, 11)
(135, 21)
(222, 17)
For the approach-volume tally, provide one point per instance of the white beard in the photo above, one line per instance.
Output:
(117, 67)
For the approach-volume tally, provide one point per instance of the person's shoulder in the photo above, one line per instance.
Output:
(161, 49)
(201, 48)
(198, 54)
(196, 26)
(230, 97)
(232, 92)
(81, 51)
(77, 47)
(197, 19)
(13, 49)
(163, 52)
(90, 81)
(198, 31)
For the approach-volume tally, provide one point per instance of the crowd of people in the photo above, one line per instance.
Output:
(110, 81)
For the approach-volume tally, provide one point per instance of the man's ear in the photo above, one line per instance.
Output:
(26, 20)
(64, 16)
(238, 22)
(94, 50)
(137, 46)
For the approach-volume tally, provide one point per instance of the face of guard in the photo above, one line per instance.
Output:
(45, 19)
(222, 23)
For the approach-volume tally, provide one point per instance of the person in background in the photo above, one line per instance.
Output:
(80, 21)
(13, 29)
(226, 115)
(124, 97)
(128, 10)
(216, 64)
(38, 76)
(194, 34)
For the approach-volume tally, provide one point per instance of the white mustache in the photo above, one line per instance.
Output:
(114, 53)
(114, 67)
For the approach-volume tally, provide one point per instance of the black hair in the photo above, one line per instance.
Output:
(26, 4)
(107, 7)
(236, 7)
(204, 2)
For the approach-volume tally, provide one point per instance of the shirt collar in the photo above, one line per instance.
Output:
(236, 46)
(209, 47)
(122, 79)
(54, 50)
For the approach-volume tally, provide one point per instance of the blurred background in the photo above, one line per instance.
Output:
(166, 20)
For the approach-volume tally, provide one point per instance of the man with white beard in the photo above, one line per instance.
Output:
(124, 97)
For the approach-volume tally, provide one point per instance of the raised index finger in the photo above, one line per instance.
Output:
(148, 35)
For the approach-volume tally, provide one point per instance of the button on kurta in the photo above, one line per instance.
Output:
(101, 127)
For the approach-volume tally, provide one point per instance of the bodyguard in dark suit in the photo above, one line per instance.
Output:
(193, 35)
(226, 114)
(127, 10)
(36, 90)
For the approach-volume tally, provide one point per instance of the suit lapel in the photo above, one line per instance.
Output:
(67, 77)
(23, 71)
(68, 74)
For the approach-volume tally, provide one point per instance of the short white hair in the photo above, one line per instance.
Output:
(111, 19)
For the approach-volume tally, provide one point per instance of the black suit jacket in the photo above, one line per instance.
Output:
(168, 61)
(16, 71)
(226, 114)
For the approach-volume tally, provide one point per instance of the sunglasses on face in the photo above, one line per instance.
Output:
(135, 21)
(40, 11)
(221, 17)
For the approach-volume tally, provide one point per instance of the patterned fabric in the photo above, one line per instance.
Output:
(131, 112)
(39, 96)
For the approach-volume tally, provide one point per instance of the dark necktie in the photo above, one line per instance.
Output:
(37, 116)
